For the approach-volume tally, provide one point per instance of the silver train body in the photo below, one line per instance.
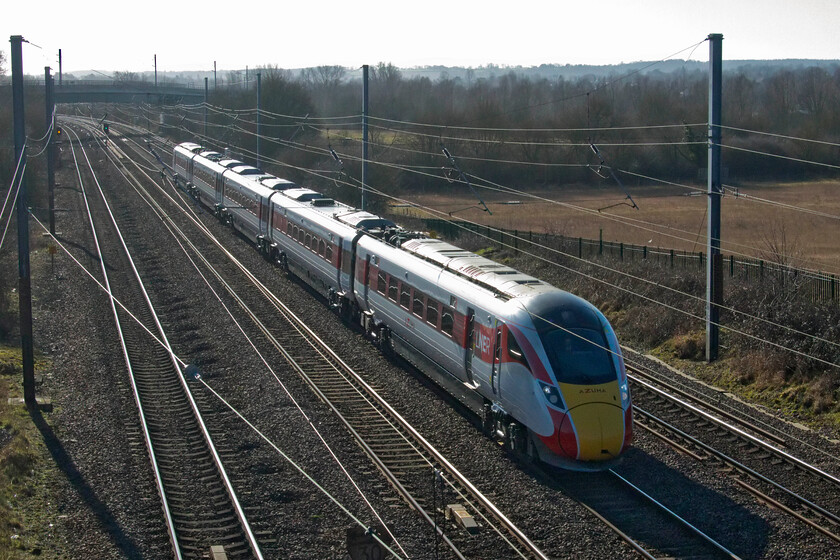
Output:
(541, 367)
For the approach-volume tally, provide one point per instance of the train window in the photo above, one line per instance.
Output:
(322, 248)
(432, 312)
(380, 282)
(392, 289)
(405, 295)
(515, 352)
(447, 321)
(300, 235)
(328, 253)
(419, 304)
(289, 229)
(577, 355)
(307, 241)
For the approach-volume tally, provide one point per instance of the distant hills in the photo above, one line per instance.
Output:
(752, 68)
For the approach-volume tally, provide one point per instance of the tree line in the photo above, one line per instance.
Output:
(533, 132)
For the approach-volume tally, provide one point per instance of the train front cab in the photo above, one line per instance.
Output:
(589, 405)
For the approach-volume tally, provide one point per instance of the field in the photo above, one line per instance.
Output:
(794, 223)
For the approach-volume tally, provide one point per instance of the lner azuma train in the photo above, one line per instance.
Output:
(541, 367)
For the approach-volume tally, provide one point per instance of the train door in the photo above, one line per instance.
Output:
(220, 181)
(265, 218)
(469, 344)
(497, 365)
(366, 281)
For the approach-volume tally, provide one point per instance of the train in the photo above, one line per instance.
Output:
(541, 367)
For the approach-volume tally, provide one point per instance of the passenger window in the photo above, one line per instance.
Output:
(405, 296)
(432, 312)
(419, 304)
(392, 289)
(300, 235)
(289, 229)
(380, 282)
(328, 253)
(322, 248)
(307, 241)
(447, 321)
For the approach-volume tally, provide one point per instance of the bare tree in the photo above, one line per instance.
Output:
(780, 247)
(125, 76)
(323, 77)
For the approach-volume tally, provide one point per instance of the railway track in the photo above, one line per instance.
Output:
(751, 454)
(409, 463)
(409, 468)
(657, 531)
(199, 505)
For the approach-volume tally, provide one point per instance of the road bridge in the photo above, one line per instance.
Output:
(109, 91)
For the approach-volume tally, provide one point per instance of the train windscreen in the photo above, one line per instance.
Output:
(576, 347)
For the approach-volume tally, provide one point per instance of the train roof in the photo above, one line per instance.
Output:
(247, 170)
(277, 183)
(302, 195)
(498, 278)
(212, 156)
(190, 147)
(360, 219)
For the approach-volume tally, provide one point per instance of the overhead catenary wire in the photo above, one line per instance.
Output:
(565, 144)
(505, 129)
(658, 231)
(642, 368)
(780, 156)
(784, 327)
(782, 136)
(729, 244)
(14, 201)
(690, 236)
(184, 364)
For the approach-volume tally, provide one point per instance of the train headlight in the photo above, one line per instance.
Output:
(552, 395)
(625, 394)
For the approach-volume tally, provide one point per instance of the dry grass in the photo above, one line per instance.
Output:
(668, 218)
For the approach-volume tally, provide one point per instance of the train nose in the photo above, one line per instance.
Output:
(599, 431)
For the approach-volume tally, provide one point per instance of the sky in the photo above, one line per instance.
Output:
(293, 34)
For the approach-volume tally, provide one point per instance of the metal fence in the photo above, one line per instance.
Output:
(810, 283)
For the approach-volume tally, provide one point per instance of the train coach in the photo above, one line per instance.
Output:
(541, 367)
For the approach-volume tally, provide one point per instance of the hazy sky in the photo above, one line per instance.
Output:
(293, 34)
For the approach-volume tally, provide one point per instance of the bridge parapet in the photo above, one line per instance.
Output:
(88, 91)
